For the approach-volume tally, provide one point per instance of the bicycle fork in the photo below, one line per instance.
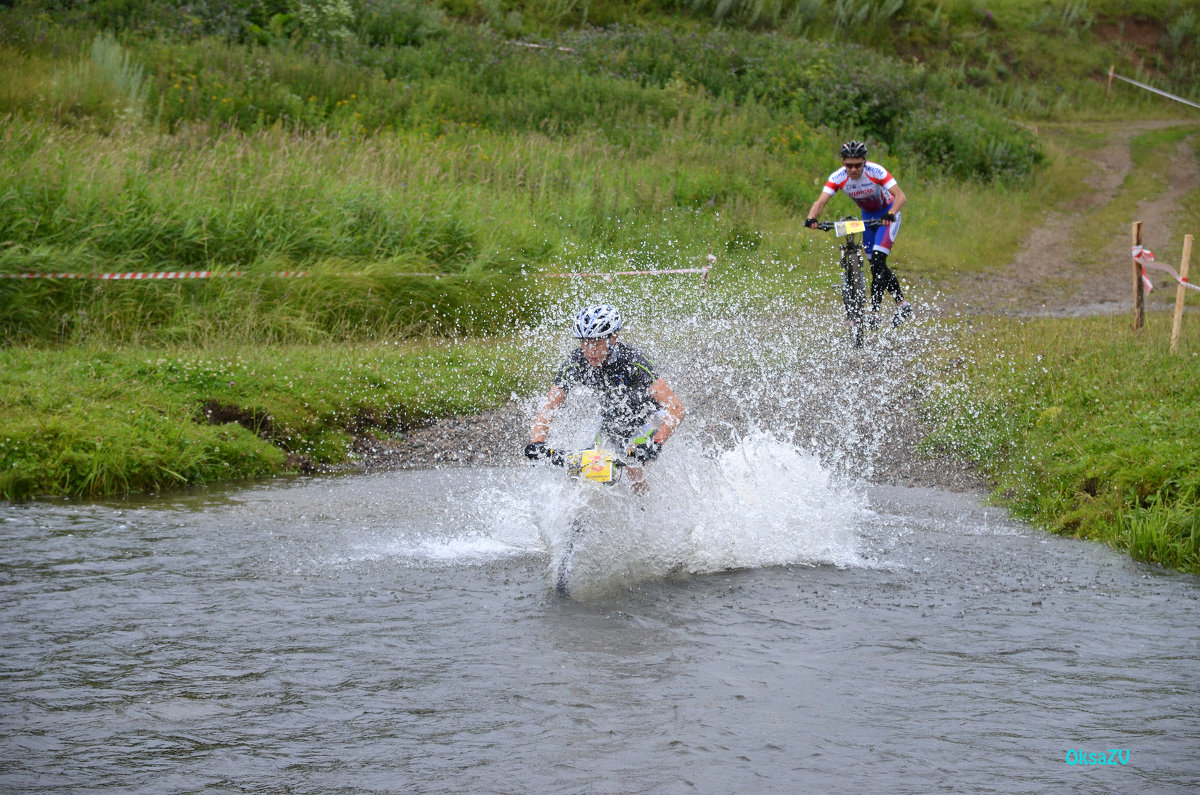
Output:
(854, 290)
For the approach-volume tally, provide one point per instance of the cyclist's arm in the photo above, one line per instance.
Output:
(819, 205)
(541, 421)
(898, 199)
(671, 405)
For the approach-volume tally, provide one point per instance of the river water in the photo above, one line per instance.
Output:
(764, 620)
(766, 629)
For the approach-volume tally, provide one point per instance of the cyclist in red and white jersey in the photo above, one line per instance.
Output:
(878, 196)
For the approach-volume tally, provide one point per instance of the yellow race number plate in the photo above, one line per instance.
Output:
(592, 465)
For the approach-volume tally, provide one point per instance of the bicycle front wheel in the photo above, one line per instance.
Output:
(854, 293)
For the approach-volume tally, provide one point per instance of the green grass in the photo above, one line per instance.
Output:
(481, 210)
(92, 422)
(1087, 428)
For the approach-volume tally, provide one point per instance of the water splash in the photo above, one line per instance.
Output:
(760, 503)
(787, 423)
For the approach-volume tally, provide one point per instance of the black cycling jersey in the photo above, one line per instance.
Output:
(622, 383)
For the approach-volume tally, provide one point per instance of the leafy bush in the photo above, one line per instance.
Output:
(967, 148)
(400, 23)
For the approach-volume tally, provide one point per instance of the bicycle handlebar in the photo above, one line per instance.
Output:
(870, 223)
(560, 457)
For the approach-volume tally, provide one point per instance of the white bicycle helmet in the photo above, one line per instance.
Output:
(597, 321)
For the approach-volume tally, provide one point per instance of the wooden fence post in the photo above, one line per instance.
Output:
(1139, 293)
(1109, 84)
(1180, 295)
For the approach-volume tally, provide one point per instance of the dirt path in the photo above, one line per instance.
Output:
(1043, 279)
(1046, 279)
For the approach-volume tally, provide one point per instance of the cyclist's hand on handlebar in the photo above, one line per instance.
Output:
(888, 217)
(536, 450)
(811, 223)
(646, 451)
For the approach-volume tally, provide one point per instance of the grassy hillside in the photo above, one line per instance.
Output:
(482, 141)
(464, 154)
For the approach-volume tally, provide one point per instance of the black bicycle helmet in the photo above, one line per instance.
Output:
(854, 149)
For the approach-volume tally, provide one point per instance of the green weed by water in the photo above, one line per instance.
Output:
(92, 422)
(1088, 428)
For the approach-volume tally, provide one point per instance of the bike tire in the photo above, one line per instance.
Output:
(854, 293)
(562, 573)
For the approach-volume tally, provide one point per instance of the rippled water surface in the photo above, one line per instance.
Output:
(398, 632)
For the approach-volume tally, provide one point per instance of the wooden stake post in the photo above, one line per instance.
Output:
(1181, 293)
(1139, 293)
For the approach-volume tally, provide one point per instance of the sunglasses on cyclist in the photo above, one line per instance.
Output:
(854, 165)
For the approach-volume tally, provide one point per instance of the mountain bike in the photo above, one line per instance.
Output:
(596, 465)
(854, 280)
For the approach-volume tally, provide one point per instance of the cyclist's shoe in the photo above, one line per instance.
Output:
(903, 315)
(873, 321)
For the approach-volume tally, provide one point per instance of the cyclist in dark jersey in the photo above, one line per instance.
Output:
(638, 411)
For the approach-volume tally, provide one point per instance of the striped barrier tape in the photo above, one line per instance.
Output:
(154, 275)
(1145, 258)
(608, 276)
(159, 275)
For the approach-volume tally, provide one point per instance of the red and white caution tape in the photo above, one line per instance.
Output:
(608, 276)
(1145, 258)
(532, 46)
(142, 275)
(156, 275)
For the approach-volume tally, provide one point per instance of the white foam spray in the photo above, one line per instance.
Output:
(786, 427)
(760, 503)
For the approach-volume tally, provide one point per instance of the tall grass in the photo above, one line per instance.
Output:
(624, 83)
(127, 78)
(1088, 429)
(92, 421)
(480, 211)
(465, 157)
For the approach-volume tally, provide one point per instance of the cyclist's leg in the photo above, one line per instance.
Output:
(877, 283)
(882, 278)
(888, 279)
(875, 246)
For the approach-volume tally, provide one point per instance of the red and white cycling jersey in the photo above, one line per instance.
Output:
(870, 191)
